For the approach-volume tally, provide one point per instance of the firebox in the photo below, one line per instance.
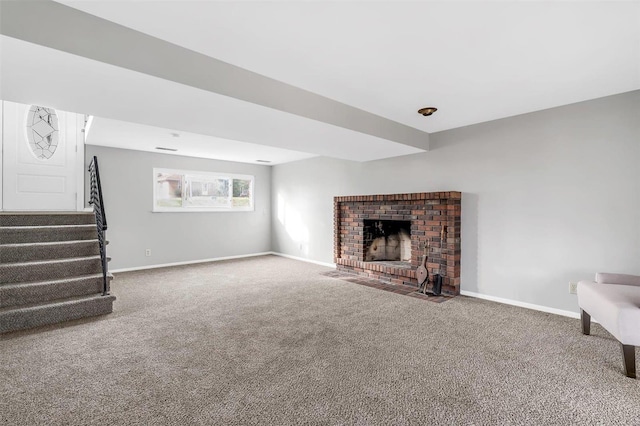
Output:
(387, 240)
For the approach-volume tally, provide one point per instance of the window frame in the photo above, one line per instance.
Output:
(202, 174)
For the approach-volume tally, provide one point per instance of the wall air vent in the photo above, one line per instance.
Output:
(165, 149)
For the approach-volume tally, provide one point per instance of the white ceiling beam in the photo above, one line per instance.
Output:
(67, 29)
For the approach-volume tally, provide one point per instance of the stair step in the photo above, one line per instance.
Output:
(20, 294)
(49, 233)
(46, 218)
(49, 269)
(24, 252)
(24, 317)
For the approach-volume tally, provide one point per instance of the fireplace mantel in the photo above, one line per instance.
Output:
(435, 223)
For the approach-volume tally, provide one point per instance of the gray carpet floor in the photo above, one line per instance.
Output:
(271, 341)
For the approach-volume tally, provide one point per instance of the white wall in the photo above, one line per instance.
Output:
(127, 184)
(548, 197)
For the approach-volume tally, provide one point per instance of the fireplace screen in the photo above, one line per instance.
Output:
(388, 240)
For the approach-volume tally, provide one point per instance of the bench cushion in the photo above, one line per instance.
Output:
(616, 307)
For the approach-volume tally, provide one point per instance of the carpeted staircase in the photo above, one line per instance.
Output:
(50, 269)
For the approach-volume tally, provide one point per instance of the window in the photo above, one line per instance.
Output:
(190, 191)
(42, 131)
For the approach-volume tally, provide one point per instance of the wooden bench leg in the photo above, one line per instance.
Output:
(586, 322)
(629, 355)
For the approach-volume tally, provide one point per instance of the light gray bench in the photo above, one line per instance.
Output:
(614, 301)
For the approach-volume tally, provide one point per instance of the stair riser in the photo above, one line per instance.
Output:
(46, 292)
(48, 251)
(46, 219)
(13, 236)
(10, 273)
(53, 314)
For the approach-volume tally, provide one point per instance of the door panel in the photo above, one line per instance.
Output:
(37, 184)
(48, 182)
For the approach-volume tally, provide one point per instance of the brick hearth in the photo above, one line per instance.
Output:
(428, 213)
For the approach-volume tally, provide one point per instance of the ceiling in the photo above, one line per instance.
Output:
(364, 68)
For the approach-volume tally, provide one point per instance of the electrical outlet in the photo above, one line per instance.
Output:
(573, 288)
(147, 252)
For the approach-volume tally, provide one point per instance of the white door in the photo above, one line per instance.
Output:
(39, 157)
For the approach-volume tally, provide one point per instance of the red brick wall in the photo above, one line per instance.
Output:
(429, 213)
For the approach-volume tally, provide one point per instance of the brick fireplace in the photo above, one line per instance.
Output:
(431, 219)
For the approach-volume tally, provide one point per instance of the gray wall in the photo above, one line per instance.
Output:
(127, 183)
(548, 197)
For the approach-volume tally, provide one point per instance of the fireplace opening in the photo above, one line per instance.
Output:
(387, 240)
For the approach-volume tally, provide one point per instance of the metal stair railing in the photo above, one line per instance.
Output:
(97, 202)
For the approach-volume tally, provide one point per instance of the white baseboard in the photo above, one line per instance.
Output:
(302, 259)
(217, 259)
(521, 304)
(189, 262)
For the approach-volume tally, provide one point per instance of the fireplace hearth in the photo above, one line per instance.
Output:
(384, 236)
